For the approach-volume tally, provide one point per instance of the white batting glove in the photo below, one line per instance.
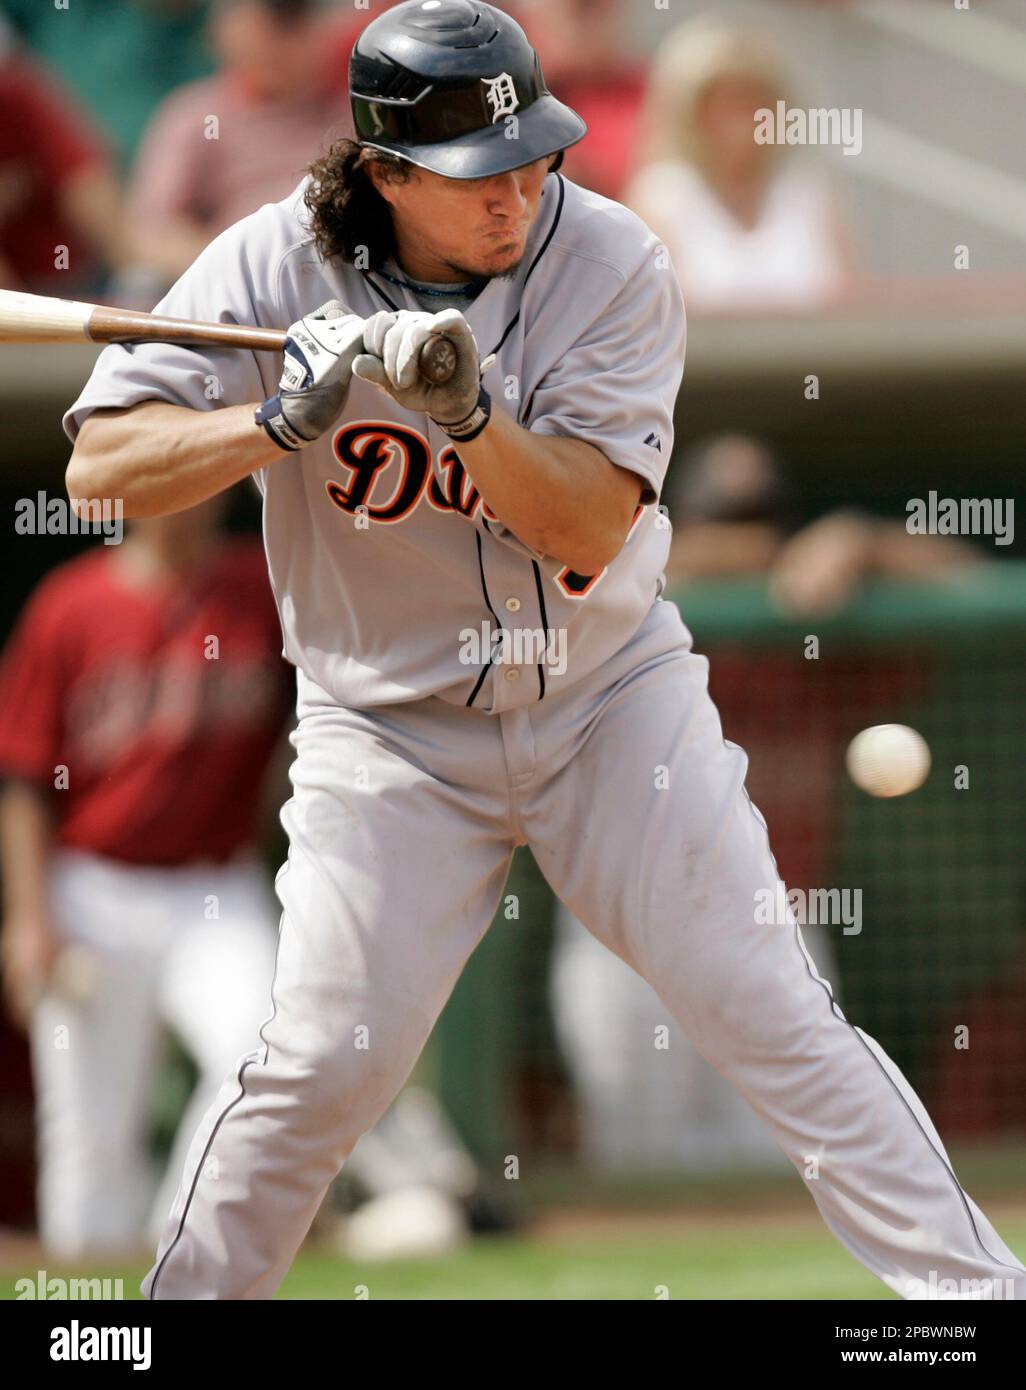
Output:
(316, 375)
(461, 407)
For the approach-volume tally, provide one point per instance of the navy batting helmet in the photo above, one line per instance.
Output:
(454, 86)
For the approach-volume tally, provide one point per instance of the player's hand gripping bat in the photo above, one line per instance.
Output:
(34, 318)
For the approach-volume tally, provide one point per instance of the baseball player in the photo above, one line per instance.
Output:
(144, 697)
(469, 576)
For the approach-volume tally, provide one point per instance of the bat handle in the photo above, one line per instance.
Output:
(438, 359)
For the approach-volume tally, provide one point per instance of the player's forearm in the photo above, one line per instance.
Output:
(562, 497)
(25, 840)
(160, 458)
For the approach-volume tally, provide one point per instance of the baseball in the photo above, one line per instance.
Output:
(888, 760)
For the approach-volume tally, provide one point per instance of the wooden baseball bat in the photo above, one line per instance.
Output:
(35, 318)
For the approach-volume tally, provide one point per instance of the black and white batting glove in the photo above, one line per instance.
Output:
(461, 406)
(315, 379)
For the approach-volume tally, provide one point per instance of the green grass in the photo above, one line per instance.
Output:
(738, 1237)
(775, 1261)
(706, 1266)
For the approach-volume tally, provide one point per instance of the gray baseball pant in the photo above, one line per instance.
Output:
(401, 828)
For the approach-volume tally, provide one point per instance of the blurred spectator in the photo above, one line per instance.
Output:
(729, 501)
(57, 186)
(587, 62)
(143, 694)
(220, 148)
(341, 25)
(120, 57)
(746, 224)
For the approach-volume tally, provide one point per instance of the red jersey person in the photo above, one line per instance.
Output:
(143, 694)
(62, 223)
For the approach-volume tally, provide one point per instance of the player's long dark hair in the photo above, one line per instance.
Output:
(349, 219)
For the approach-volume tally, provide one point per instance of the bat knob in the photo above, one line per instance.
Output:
(438, 360)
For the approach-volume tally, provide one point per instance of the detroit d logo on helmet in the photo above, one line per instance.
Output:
(501, 95)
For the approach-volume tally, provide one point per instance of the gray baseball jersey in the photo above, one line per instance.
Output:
(393, 578)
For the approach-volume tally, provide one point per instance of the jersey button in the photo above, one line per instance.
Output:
(512, 674)
(513, 605)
